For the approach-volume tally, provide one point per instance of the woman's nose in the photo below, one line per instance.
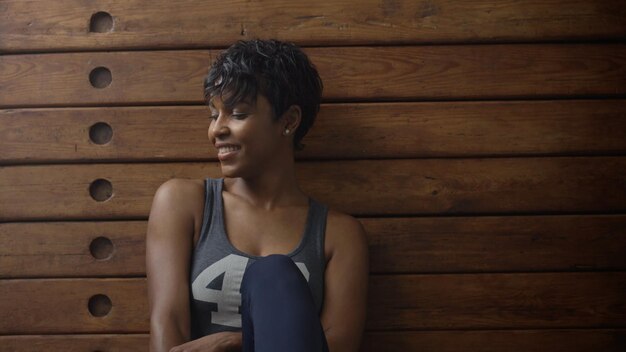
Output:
(219, 126)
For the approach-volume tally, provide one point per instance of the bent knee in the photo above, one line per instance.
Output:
(273, 269)
(273, 263)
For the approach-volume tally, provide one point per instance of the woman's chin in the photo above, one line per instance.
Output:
(229, 170)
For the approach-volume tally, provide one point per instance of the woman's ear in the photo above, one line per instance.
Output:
(292, 118)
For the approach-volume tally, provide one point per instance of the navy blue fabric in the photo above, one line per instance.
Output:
(278, 311)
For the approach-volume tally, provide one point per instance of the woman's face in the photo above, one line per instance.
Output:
(245, 136)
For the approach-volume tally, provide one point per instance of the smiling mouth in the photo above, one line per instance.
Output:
(225, 153)
(224, 150)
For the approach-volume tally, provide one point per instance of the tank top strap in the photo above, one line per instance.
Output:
(312, 253)
(209, 213)
(317, 226)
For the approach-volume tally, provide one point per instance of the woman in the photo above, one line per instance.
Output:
(249, 261)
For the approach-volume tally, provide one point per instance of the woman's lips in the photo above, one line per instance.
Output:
(225, 155)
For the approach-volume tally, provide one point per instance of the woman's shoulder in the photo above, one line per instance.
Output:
(187, 195)
(344, 232)
(339, 219)
(181, 188)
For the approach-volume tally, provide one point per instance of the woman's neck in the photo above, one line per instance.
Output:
(268, 190)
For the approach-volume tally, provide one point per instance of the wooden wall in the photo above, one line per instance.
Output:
(481, 143)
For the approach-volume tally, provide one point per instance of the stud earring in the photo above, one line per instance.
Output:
(286, 132)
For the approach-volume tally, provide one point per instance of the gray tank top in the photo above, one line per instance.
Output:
(217, 267)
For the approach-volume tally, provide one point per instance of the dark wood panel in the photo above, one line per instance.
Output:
(28, 25)
(491, 244)
(58, 79)
(62, 306)
(73, 249)
(76, 343)
(349, 73)
(380, 130)
(484, 301)
(398, 245)
(398, 187)
(445, 301)
(605, 340)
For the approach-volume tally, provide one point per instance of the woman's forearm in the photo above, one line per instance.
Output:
(235, 342)
(165, 336)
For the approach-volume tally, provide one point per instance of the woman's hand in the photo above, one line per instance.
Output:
(218, 342)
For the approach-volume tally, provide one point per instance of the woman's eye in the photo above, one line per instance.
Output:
(240, 116)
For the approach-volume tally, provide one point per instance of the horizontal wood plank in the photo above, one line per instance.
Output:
(494, 244)
(606, 340)
(397, 245)
(571, 340)
(503, 71)
(444, 301)
(483, 301)
(62, 306)
(396, 187)
(379, 130)
(76, 343)
(73, 249)
(164, 24)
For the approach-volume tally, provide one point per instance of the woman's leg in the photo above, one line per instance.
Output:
(277, 308)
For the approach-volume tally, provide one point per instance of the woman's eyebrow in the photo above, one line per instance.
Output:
(239, 104)
(242, 104)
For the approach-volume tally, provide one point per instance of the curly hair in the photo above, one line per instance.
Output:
(280, 71)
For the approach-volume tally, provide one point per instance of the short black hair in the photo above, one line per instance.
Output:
(280, 71)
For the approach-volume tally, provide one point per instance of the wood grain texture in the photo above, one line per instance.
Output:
(496, 244)
(484, 301)
(397, 187)
(572, 340)
(76, 343)
(457, 72)
(61, 306)
(67, 249)
(397, 245)
(351, 131)
(606, 340)
(444, 301)
(45, 26)
(495, 217)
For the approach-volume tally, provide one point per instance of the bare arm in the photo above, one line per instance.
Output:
(346, 285)
(168, 249)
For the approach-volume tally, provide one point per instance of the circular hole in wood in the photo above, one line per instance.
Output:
(101, 22)
(100, 133)
(100, 77)
(101, 190)
(99, 305)
(101, 248)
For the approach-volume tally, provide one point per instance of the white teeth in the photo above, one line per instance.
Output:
(227, 149)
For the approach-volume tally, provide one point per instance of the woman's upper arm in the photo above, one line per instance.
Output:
(346, 285)
(169, 241)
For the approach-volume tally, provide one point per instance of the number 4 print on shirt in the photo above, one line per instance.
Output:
(228, 298)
